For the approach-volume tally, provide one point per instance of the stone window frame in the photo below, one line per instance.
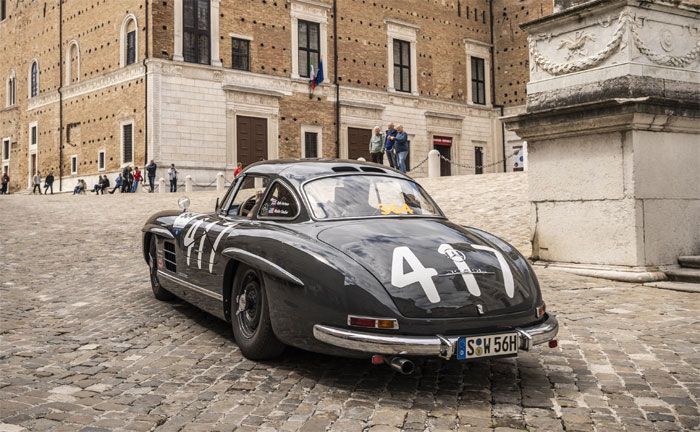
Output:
(123, 33)
(69, 79)
(318, 130)
(129, 121)
(33, 125)
(8, 141)
(33, 80)
(102, 152)
(11, 89)
(312, 11)
(407, 32)
(250, 46)
(74, 164)
(482, 50)
(179, 33)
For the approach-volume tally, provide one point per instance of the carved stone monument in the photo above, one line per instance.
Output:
(613, 133)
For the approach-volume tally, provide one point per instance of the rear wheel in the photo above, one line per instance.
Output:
(158, 291)
(250, 316)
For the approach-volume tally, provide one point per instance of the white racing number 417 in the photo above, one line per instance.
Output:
(424, 275)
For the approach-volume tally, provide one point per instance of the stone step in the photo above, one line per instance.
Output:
(689, 261)
(676, 286)
(684, 275)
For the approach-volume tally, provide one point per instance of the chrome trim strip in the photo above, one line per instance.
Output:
(161, 231)
(373, 343)
(262, 264)
(191, 286)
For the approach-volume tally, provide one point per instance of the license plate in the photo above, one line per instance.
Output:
(469, 347)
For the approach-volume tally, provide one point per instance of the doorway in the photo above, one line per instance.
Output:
(358, 143)
(443, 145)
(478, 160)
(251, 139)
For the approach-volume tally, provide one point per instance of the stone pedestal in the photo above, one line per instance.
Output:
(613, 133)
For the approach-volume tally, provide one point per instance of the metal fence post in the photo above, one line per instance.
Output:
(161, 185)
(188, 184)
(433, 164)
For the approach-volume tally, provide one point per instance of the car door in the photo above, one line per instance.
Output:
(202, 235)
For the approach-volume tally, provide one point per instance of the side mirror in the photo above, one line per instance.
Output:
(183, 203)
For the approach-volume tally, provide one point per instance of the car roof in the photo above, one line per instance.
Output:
(298, 171)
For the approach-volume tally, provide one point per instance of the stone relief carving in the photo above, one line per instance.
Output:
(539, 60)
(576, 47)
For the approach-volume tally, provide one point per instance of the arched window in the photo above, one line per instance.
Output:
(129, 41)
(11, 90)
(73, 62)
(34, 79)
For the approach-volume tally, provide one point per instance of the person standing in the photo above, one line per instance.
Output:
(172, 175)
(48, 183)
(137, 179)
(37, 183)
(239, 168)
(389, 145)
(401, 148)
(5, 184)
(117, 183)
(151, 171)
(376, 146)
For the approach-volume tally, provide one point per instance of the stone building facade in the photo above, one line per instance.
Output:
(93, 85)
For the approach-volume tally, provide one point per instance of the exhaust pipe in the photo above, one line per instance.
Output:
(402, 365)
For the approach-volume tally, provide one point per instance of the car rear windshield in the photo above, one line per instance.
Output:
(358, 195)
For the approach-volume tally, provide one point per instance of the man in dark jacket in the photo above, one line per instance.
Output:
(389, 145)
(48, 183)
(151, 170)
(5, 184)
(401, 148)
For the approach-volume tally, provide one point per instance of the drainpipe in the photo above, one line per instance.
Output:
(335, 79)
(60, 96)
(145, 86)
(493, 85)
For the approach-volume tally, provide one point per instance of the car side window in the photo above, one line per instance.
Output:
(248, 194)
(280, 203)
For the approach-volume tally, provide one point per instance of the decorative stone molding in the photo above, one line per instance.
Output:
(396, 29)
(113, 78)
(313, 11)
(580, 53)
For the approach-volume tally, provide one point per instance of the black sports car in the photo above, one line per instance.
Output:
(346, 258)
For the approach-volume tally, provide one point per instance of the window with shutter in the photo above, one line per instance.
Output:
(402, 66)
(127, 143)
(478, 81)
(196, 31)
(311, 144)
(131, 47)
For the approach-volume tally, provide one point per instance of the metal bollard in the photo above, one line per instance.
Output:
(361, 159)
(220, 182)
(161, 185)
(433, 164)
(188, 184)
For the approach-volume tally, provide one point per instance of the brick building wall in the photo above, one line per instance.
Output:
(97, 93)
(190, 110)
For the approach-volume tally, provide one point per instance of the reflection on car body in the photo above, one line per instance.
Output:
(346, 258)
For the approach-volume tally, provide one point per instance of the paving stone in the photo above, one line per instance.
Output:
(84, 343)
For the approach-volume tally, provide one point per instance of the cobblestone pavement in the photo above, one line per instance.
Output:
(84, 346)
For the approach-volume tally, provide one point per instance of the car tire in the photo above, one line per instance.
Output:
(159, 292)
(250, 316)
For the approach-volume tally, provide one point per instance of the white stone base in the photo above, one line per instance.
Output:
(618, 273)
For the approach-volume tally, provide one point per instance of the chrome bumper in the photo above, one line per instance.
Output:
(442, 346)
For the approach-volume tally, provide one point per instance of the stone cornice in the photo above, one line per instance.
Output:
(444, 115)
(253, 90)
(613, 115)
(92, 85)
(400, 23)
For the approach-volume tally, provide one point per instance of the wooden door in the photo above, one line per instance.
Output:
(358, 143)
(251, 139)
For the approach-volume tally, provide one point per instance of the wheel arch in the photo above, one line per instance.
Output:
(227, 288)
(146, 243)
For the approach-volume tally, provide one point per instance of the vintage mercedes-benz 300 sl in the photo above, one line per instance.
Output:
(346, 258)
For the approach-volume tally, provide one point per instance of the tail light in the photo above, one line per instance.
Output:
(541, 310)
(376, 323)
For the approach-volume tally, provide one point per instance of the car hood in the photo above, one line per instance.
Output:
(435, 269)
